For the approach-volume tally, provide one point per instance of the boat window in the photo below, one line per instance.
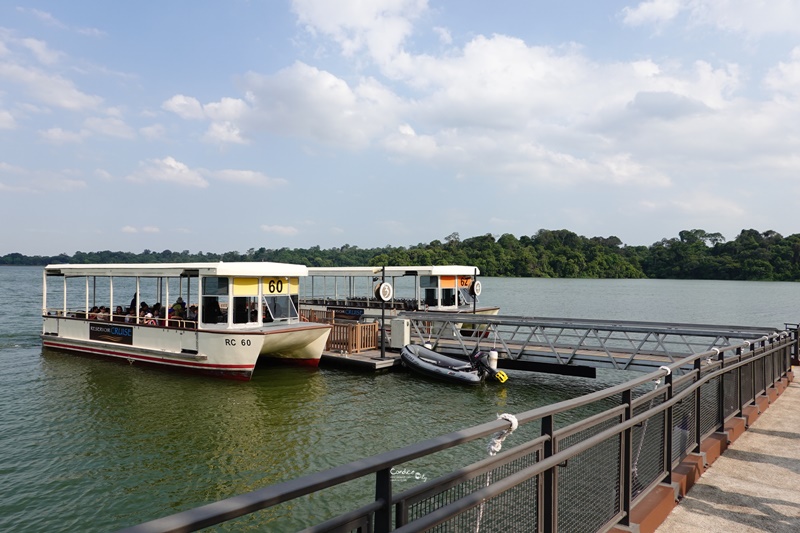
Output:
(448, 297)
(431, 297)
(215, 286)
(215, 299)
(245, 309)
(245, 300)
(428, 281)
(279, 308)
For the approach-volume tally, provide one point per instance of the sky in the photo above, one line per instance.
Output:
(215, 126)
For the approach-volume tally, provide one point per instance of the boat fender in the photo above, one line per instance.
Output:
(493, 359)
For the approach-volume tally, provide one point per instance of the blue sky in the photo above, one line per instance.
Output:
(223, 126)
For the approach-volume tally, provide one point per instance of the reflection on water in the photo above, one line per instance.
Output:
(95, 445)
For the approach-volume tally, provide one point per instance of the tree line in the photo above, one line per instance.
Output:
(694, 254)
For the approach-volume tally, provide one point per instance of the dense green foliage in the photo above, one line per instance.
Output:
(694, 254)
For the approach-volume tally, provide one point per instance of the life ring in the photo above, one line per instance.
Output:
(475, 288)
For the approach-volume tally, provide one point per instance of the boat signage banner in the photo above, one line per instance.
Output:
(111, 333)
(353, 313)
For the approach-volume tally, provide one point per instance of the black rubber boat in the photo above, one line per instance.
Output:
(435, 365)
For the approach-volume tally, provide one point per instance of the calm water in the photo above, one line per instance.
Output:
(93, 445)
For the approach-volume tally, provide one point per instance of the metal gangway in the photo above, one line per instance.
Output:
(570, 345)
(581, 465)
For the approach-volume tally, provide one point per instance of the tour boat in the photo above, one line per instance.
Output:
(360, 293)
(215, 318)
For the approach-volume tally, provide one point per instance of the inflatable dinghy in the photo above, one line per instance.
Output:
(435, 365)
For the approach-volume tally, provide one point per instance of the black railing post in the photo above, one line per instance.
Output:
(698, 428)
(796, 354)
(668, 430)
(739, 382)
(549, 510)
(383, 492)
(627, 460)
(764, 365)
(721, 393)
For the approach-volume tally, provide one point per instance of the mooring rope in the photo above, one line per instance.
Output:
(495, 444)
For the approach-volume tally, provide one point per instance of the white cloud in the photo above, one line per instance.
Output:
(41, 51)
(169, 170)
(145, 229)
(50, 89)
(224, 132)
(248, 177)
(652, 11)
(153, 132)
(444, 35)
(109, 126)
(749, 17)
(286, 231)
(185, 107)
(7, 121)
(785, 76)
(307, 102)
(379, 26)
(60, 136)
(226, 109)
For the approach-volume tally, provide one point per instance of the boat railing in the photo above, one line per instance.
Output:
(82, 314)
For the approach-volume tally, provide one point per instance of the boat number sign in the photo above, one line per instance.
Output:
(240, 342)
(276, 286)
(384, 291)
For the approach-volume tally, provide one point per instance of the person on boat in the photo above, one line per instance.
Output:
(149, 320)
(211, 310)
(130, 317)
(192, 314)
(102, 313)
(119, 314)
(93, 313)
(178, 307)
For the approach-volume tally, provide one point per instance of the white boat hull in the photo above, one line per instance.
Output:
(228, 352)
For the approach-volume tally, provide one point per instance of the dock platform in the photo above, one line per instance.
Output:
(753, 486)
(369, 360)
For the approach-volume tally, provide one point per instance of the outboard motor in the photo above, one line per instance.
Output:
(480, 362)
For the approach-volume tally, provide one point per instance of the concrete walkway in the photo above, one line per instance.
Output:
(755, 485)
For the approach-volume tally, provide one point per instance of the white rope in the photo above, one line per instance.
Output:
(497, 439)
(495, 444)
(635, 468)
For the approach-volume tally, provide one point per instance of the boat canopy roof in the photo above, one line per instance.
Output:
(159, 270)
(395, 271)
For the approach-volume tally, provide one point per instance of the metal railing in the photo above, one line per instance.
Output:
(589, 461)
(614, 344)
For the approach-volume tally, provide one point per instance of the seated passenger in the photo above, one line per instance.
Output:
(93, 313)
